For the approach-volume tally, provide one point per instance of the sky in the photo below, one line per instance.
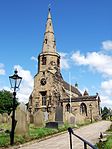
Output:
(83, 33)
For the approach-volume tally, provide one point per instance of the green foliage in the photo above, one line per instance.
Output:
(105, 113)
(4, 139)
(108, 143)
(6, 101)
(36, 133)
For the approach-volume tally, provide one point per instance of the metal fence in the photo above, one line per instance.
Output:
(86, 143)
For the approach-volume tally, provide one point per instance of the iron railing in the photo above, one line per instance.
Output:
(86, 143)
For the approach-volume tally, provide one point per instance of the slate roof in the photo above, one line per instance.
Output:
(73, 89)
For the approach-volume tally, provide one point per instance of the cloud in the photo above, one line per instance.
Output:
(107, 45)
(106, 86)
(26, 85)
(99, 62)
(106, 101)
(2, 70)
(34, 58)
(95, 60)
(64, 61)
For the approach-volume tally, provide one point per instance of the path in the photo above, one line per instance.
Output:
(90, 133)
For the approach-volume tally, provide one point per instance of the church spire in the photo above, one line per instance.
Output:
(49, 44)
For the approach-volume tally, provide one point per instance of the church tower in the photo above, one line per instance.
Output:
(48, 80)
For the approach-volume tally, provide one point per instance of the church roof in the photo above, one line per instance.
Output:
(82, 98)
(73, 89)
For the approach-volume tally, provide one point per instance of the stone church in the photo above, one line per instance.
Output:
(52, 94)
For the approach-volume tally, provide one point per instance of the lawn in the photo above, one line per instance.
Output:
(34, 133)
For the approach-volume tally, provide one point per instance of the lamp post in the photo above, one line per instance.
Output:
(90, 106)
(15, 81)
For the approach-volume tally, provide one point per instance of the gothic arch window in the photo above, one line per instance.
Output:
(68, 107)
(45, 41)
(44, 100)
(43, 95)
(43, 60)
(58, 62)
(83, 109)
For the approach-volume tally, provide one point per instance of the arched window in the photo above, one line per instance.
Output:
(83, 109)
(45, 41)
(58, 62)
(43, 60)
(43, 94)
(68, 107)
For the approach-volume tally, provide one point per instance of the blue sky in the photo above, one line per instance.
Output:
(83, 32)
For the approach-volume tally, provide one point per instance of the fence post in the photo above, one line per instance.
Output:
(70, 134)
(85, 145)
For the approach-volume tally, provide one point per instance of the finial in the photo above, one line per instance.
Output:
(76, 84)
(49, 6)
(15, 71)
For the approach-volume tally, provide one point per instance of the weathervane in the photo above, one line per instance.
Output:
(49, 6)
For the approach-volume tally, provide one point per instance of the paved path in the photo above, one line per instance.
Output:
(90, 133)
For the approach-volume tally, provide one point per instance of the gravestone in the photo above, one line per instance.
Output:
(31, 118)
(70, 118)
(21, 118)
(59, 114)
(52, 125)
(52, 116)
(10, 119)
(0, 118)
(39, 118)
(46, 116)
(23, 107)
(28, 117)
(5, 118)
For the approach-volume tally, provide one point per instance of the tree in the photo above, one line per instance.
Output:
(105, 113)
(6, 101)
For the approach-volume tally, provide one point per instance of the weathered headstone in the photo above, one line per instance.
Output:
(46, 116)
(23, 107)
(5, 118)
(22, 124)
(31, 118)
(59, 114)
(39, 118)
(70, 118)
(52, 116)
(28, 117)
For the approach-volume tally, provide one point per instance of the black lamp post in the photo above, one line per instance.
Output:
(90, 106)
(15, 81)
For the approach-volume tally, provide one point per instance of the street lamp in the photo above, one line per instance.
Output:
(15, 81)
(90, 106)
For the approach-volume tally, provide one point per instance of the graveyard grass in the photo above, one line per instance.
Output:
(34, 133)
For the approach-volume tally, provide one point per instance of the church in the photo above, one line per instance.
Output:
(52, 94)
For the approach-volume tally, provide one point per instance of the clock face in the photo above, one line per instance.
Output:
(52, 63)
(43, 81)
